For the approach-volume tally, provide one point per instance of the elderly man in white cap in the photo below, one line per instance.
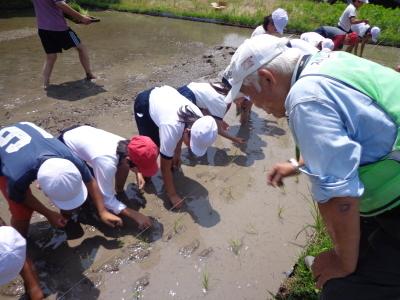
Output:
(13, 260)
(365, 33)
(344, 115)
(170, 119)
(274, 23)
(29, 153)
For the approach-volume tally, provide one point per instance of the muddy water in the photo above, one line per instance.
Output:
(236, 238)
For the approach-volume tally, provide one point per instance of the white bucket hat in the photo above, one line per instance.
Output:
(62, 182)
(249, 57)
(203, 134)
(327, 44)
(375, 32)
(280, 19)
(12, 253)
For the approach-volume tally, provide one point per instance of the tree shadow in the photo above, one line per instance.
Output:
(74, 90)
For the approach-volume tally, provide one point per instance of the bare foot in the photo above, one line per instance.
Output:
(90, 76)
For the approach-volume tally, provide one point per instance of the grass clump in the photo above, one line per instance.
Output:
(205, 281)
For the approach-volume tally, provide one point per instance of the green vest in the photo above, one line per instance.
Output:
(382, 85)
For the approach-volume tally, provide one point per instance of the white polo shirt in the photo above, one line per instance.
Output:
(208, 98)
(164, 104)
(98, 148)
(344, 21)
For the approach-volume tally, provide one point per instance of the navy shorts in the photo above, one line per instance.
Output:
(187, 93)
(144, 122)
(56, 41)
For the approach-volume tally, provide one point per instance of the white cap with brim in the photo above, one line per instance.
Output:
(280, 19)
(12, 253)
(203, 134)
(61, 181)
(249, 57)
(375, 32)
(327, 44)
(365, 1)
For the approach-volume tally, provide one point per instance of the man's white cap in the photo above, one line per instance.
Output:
(203, 134)
(62, 182)
(360, 29)
(375, 32)
(12, 253)
(249, 57)
(327, 44)
(280, 19)
(365, 1)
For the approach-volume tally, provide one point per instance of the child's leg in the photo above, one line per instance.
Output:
(48, 68)
(142, 220)
(20, 214)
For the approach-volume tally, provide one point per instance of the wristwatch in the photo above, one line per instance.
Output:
(295, 164)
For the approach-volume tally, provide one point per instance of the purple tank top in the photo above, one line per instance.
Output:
(49, 16)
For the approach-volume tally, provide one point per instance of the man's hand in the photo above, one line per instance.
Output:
(55, 219)
(85, 20)
(110, 219)
(326, 266)
(279, 172)
(176, 201)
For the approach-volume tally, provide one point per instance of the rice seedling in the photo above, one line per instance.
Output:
(205, 281)
(235, 245)
(281, 209)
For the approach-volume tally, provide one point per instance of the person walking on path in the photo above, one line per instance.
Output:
(274, 23)
(349, 16)
(112, 157)
(210, 102)
(343, 113)
(29, 153)
(55, 34)
(13, 260)
(170, 119)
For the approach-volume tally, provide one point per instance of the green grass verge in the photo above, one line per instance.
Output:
(304, 15)
(301, 284)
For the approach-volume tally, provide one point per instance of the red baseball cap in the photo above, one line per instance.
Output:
(143, 152)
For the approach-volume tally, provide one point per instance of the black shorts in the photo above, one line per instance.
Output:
(144, 122)
(55, 41)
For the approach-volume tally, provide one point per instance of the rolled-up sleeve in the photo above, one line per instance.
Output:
(331, 157)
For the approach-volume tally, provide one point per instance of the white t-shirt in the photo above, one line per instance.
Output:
(164, 104)
(98, 148)
(344, 21)
(259, 30)
(312, 38)
(208, 98)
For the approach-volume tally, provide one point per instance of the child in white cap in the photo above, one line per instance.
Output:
(169, 119)
(112, 157)
(317, 40)
(274, 23)
(365, 33)
(205, 96)
(13, 261)
(29, 153)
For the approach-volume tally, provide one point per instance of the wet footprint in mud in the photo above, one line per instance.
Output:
(206, 253)
(140, 285)
(138, 251)
(188, 250)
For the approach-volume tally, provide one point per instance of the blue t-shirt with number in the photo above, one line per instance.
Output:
(23, 148)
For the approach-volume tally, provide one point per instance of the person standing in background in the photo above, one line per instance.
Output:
(55, 34)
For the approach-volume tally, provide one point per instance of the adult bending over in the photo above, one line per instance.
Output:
(344, 117)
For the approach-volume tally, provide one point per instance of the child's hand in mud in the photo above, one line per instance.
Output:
(279, 172)
(140, 181)
(57, 220)
(176, 201)
(143, 221)
(110, 219)
(238, 140)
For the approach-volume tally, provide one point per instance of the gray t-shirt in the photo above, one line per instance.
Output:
(49, 16)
